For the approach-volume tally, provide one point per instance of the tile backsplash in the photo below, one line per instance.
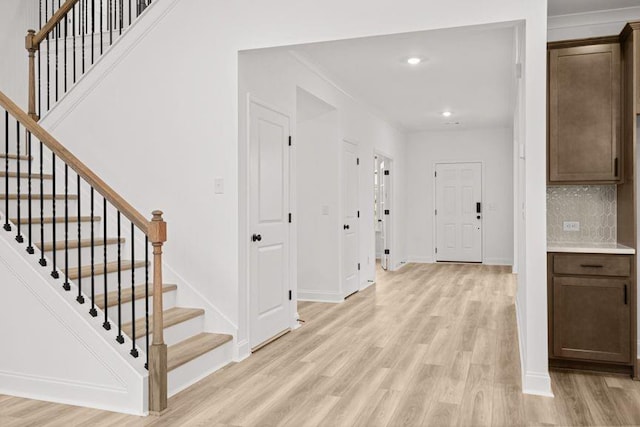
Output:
(594, 206)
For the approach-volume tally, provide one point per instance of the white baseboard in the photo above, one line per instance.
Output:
(419, 259)
(498, 261)
(536, 383)
(315, 296)
(366, 284)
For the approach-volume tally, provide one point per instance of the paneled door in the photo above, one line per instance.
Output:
(458, 212)
(350, 232)
(270, 304)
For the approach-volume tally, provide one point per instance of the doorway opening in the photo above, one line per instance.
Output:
(382, 209)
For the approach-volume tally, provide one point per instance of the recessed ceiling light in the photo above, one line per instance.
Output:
(414, 61)
(446, 113)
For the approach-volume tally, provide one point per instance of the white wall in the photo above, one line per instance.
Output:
(492, 147)
(274, 76)
(591, 24)
(16, 17)
(175, 128)
(51, 352)
(317, 181)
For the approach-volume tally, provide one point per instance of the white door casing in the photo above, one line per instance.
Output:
(458, 212)
(269, 255)
(385, 188)
(349, 226)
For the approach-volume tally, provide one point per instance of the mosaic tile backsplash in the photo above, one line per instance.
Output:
(594, 206)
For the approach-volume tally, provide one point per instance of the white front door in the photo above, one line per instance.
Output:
(349, 226)
(270, 305)
(459, 212)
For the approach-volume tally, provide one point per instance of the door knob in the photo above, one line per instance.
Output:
(256, 237)
(346, 227)
(478, 217)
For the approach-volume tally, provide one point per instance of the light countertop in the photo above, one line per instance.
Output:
(590, 248)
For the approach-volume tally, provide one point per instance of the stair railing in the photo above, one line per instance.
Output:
(73, 35)
(31, 230)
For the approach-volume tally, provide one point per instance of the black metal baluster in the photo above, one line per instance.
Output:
(40, 67)
(93, 312)
(106, 323)
(120, 338)
(43, 261)
(93, 28)
(19, 237)
(134, 350)
(6, 226)
(66, 286)
(121, 16)
(80, 297)
(29, 201)
(54, 271)
(129, 12)
(146, 294)
(101, 27)
(110, 22)
(48, 68)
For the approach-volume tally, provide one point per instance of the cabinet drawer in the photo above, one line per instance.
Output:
(592, 265)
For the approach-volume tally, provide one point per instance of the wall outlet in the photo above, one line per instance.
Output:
(571, 225)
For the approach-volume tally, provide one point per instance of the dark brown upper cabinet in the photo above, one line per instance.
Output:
(584, 114)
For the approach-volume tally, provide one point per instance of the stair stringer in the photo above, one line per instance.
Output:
(51, 350)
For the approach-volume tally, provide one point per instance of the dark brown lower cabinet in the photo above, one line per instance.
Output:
(591, 319)
(592, 312)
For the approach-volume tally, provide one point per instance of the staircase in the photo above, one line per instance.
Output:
(79, 231)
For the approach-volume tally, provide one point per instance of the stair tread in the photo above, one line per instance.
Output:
(14, 156)
(189, 349)
(170, 317)
(73, 244)
(49, 220)
(36, 197)
(25, 175)
(125, 296)
(98, 269)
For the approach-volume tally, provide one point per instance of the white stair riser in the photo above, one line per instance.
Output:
(183, 330)
(35, 207)
(24, 185)
(85, 252)
(169, 301)
(195, 370)
(24, 164)
(112, 280)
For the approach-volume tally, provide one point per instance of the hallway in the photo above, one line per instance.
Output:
(432, 344)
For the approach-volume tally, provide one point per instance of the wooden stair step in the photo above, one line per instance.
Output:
(170, 317)
(194, 347)
(99, 269)
(126, 295)
(59, 220)
(36, 197)
(25, 175)
(74, 244)
(14, 157)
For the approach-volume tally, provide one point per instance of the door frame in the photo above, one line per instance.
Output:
(245, 259)
(390, 266)
(341, 210)
(434, 221)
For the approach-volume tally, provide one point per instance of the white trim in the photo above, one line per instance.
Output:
(590, 24)
(399, 266)
(391, 240)
(498, 261)
(315, 296)
(367, 284)
(341, 191)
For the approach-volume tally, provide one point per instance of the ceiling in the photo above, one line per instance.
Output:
(467, 71)
(567, 7)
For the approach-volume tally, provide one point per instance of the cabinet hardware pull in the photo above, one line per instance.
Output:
(625, 295)
(591, 265)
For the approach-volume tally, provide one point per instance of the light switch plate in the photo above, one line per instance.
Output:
(218, 185)
(571, 225)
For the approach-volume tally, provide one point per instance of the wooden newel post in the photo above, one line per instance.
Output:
(158, 349)
(32, 47)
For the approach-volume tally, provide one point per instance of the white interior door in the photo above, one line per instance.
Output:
(385, 211)
(349, 229)
(459, 212)
(269, 227)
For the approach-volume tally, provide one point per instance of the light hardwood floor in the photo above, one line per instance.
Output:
(428, 345)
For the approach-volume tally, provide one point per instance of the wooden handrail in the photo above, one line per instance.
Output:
(55, 19)
(74, 163)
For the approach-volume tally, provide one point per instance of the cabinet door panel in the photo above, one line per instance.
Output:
(591, 319)
(584, 114)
